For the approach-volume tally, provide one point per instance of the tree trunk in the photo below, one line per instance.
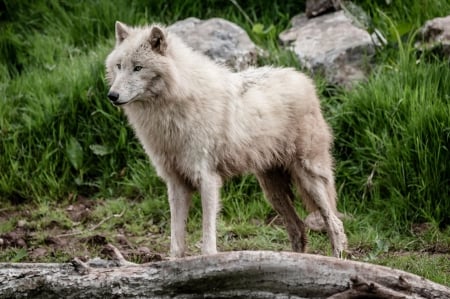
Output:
(243, 274)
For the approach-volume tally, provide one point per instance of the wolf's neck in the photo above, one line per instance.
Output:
(195, 73)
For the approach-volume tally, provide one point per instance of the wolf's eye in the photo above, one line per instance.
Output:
(118, 66)
(137, 68)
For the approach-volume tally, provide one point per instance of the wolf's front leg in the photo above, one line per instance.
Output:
(180, 196)
(210, 195)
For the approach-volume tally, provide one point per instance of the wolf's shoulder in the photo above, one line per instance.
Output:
(272, 76)
(255, 73)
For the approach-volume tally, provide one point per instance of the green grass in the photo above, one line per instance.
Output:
(430, 266)
(393, 134)
(60, 139)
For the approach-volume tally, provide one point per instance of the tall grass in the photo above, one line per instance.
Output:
(392, 140)
(65, 28)
(393, 133)
(408, 16)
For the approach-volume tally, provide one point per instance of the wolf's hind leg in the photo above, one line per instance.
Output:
(276, 184)
(316, 187)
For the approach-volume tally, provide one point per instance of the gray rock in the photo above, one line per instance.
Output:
(221, 40)
(331, 45)
(315, 8)
(435, 35)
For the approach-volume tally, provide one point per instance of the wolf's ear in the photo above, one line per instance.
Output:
(158, 40)
(122, 32)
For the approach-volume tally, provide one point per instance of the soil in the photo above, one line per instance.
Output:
(57, 242)
(27, 240)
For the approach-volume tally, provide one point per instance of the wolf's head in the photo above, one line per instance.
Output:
(135, 69)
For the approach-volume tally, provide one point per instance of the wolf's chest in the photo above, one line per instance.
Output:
(174, 143)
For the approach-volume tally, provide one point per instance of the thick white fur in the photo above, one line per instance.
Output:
(200, 124)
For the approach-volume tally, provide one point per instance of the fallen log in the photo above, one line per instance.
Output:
(241, 274)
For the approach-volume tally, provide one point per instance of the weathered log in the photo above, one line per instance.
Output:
(242, 274)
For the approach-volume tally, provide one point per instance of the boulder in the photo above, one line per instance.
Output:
(332, 45)
(435, 36)
(315, 8)
(221, 40)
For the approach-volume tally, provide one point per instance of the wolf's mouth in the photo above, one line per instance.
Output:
(118, 103)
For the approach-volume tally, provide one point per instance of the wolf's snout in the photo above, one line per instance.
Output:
(113, 96)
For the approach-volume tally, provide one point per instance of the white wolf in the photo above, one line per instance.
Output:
(200, 124)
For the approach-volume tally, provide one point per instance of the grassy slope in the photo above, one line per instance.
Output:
(60, 138)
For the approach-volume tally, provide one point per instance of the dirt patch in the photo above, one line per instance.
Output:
(28, 235)
(82, 209)
(15, 238)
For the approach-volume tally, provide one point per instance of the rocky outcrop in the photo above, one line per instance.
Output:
(435, 36)
(221, 40)
(315, 8)
(331, 45)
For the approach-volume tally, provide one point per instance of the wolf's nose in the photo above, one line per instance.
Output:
(113, 96)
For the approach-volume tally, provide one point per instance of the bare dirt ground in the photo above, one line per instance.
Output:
(28, 239)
